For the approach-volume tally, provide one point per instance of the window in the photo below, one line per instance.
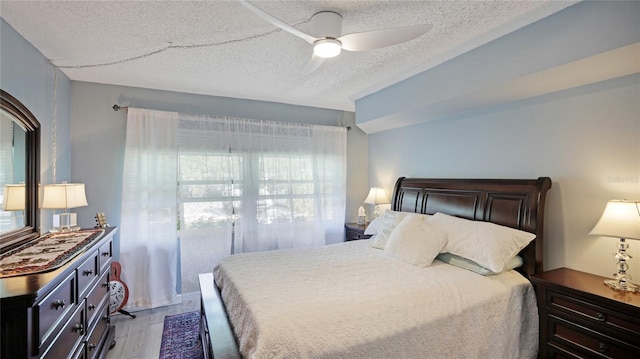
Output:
(277, 185)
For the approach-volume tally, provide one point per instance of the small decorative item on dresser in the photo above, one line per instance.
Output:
(581, 318)
(101, 220)
(355, 231)
(362, 216)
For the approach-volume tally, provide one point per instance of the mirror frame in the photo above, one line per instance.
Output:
(31, 229)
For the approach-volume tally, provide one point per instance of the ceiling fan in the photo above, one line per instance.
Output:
(329, 41)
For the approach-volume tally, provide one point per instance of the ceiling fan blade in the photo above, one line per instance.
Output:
(279, 23)
(313, 64)
(369, 40)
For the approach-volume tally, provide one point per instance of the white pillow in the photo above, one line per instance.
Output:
(415, 241)
(465, 263)
(488, 244)
(374, 225)
(390, 220)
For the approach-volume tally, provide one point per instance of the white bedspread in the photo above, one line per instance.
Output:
(350, 300)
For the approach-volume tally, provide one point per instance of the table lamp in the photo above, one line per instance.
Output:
(64, 196)
(621, 218)
(376, 196)
(13, 197)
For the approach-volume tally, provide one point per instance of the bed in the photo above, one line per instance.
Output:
(352, 300)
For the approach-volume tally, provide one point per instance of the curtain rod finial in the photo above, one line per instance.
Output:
(116, 107)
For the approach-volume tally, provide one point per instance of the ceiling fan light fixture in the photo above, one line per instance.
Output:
(327, 48)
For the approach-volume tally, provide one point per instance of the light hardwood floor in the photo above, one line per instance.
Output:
(140, 337)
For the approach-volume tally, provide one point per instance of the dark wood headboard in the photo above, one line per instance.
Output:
(516, 203)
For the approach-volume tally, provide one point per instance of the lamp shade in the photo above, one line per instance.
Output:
(63, 196)
(13, 197)
(620, 219)
(376, 196)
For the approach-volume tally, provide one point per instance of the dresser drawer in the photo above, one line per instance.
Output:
(98, 332)
(54, 308)
(98, 296)
(580, 340)
(70, 338)
(104, 256)
(594, 315)
(87, 272)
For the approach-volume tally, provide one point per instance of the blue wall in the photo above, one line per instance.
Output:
(480, 77)
(586, 138)
(27, 75)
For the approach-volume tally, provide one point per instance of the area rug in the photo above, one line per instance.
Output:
(181, 337)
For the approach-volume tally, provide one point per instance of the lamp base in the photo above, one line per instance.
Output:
(622, 281)
(621, 286)
(64, 222)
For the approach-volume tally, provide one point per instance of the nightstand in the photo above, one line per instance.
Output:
(355, 232)
(581, 317)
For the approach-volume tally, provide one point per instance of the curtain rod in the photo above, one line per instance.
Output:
(118, 108)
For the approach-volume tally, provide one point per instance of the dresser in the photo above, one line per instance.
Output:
(580, 317)
(63, 313)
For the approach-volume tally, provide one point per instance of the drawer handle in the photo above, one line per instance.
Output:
(600, 317)
(105, 284)
(602, 347)
(105, 254)
(78, 328)
(91, 307)
(88, 272)
(92, 346)
(106, 318)
(60, 303)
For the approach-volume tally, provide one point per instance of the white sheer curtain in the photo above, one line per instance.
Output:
(231, 185)
(277, 185)
(148, 233)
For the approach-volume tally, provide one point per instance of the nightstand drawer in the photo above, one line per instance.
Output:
(354, 235)
(355, 232)
(595, 315)
(580, 341)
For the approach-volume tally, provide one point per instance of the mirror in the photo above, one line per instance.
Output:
(19, 173)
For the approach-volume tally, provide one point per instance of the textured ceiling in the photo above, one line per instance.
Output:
(219, 48)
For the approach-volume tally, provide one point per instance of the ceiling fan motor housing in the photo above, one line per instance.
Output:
(326, 24)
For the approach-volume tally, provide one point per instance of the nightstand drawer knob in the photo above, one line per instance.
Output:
(602, 347)
(601, 317)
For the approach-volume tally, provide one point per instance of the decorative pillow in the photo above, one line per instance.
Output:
(374, 225)
(488, 244)
(415, 241)
(465, 263)
(390, 220)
